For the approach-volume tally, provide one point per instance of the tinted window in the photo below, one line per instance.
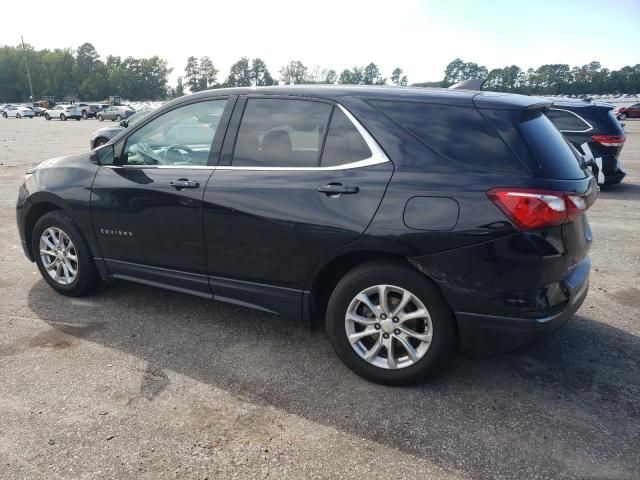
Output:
(344, 143)
(281, 133)
(567, 121)
(556, 158)
(457, 133)
(183, 136)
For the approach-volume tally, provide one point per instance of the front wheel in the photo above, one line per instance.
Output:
(99, 142)
(389, 323)
(100, 119)
(78, 119)
(47, 116)
(63, 117)
(62, 255)
(84, 115)
(18, 116)
(118, 118)
(622, 116)
(4, 114)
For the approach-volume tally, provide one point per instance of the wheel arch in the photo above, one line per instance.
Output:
(325, 277)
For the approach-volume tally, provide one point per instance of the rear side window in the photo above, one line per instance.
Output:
(281, 133)
(344, 143)
(456, 133)
(550, 148)
(567, 121)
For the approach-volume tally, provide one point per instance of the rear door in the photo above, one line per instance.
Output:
(298, 178)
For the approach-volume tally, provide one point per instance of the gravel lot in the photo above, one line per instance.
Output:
(135, 382)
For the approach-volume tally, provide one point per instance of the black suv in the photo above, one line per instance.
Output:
(408, 219)
(594, 130)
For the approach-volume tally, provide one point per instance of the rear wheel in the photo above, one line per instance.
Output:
(84, 115)
(4, 114)
(63, 117)
(62, 255)
(47, 117)
(18, 116)
(100, 118)
(118, 118)
(389, 323)
(622, 116)
(78, 119)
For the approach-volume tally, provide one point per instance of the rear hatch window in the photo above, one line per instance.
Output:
(549, 147)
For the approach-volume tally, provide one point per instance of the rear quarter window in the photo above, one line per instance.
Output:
(458, 133)
(567, 121)
(556, 159)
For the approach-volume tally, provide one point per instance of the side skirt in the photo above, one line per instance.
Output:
(267, 298)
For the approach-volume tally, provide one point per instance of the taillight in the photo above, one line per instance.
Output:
(529, 209)
(610, 140)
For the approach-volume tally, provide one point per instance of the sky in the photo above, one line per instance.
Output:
(421, 37)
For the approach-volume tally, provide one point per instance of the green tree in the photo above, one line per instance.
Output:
(371, 75)
(87, 57)
(192, 74)
(294, 72)
(239, 74)
(208, 74)
(396, 75)
(259, 73)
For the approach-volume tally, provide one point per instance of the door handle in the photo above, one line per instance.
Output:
(182, 183)
(337, 189)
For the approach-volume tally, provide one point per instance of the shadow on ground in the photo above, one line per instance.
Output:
(565, 407)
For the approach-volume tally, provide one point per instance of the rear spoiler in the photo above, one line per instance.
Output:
(470, 84)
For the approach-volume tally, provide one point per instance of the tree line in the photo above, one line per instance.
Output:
(548, 79)
(81, 74)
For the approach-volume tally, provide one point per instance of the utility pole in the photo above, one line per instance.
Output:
(24, 52)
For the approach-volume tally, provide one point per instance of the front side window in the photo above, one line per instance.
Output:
(281, 133)
(567, 121)
(183, 136)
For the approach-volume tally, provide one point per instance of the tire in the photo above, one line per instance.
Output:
(99, 142)
(63, 117)
(118, 118)
(78, 119)
(4, 115)
(395, 277)
(47, 116)
(86, 277)
(622, 116)
(100, 118)
(84, 115)
(18, 116)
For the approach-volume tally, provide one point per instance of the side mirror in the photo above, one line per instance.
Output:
(124, 123)
(103, 155)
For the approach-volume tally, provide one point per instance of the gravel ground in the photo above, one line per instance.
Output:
(135, 382)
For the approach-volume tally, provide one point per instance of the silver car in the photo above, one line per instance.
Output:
(115, 113)
(17, 111)
(103, 135)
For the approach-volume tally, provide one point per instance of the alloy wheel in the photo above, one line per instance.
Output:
(59, 256)
(388, 326)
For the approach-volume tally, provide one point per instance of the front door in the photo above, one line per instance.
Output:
(305, 178)
(147, 208)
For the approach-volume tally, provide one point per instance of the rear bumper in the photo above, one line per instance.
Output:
(504, 333)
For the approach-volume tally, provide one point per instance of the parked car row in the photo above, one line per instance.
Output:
(67, 110)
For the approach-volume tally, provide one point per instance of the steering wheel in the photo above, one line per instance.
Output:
(147, 154)
(177, 148)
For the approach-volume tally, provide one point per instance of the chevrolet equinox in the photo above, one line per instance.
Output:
(408, 220)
